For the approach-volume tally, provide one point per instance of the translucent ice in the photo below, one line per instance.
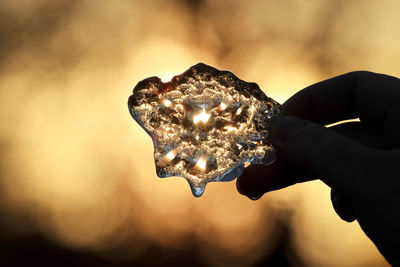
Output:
(205, 124)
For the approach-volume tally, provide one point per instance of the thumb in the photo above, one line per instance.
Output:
(337, 160)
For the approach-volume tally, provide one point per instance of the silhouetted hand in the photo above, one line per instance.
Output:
(359, 161)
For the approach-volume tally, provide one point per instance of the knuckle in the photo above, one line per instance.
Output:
(362, 73)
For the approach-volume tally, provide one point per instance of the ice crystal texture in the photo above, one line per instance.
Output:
(205, 124)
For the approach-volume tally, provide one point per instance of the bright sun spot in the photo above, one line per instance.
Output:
(203, 116)
(222, 106)
(166, 76)
(201, 163)
(167, 103)
(170, 155)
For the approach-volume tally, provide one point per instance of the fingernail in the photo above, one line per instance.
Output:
(284, 128)
(254, 197)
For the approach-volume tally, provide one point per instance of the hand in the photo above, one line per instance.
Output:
(359, 161)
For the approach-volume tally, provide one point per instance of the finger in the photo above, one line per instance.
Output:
(330, 156)
(365, 95)
(391, 134)
(343, 206)
(257, 180)
(358, 133)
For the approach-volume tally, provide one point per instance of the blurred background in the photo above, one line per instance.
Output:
(77, 177)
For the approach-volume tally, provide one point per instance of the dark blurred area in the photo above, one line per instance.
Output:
(77, 179)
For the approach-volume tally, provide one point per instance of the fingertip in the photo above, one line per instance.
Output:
(252, 181)
(256, 180)
(254, 198)
(343, 207)
(246, 189)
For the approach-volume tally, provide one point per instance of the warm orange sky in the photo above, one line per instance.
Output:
(75, 161)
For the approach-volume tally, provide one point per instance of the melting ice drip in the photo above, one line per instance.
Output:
(205, 124)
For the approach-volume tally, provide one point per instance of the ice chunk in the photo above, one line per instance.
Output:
(205, 124)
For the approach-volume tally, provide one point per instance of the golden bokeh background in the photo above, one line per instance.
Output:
(78, 171)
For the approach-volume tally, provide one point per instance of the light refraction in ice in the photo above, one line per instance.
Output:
(205, 124)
